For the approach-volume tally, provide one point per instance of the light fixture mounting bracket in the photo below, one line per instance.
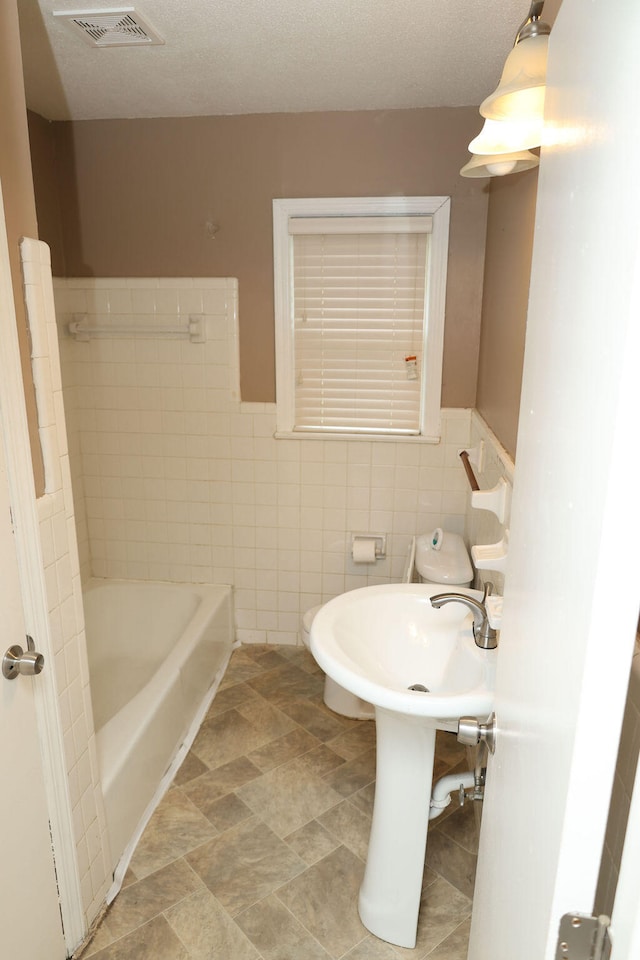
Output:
(533, 26)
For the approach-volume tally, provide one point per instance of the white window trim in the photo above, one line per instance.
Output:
(436, 282)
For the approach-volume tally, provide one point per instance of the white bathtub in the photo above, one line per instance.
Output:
(157, 652)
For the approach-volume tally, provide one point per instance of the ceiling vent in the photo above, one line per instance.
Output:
(111, 27)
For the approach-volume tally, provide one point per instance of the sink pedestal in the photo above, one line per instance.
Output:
(390, 893)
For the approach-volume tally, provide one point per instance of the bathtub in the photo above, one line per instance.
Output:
(157, 652)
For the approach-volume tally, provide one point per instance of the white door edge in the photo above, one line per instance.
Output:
(34, 597)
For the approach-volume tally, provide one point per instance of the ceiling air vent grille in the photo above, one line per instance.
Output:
(111, 27)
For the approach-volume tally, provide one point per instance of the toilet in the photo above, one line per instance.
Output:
(438, 557)
(441, 557)
(336, 697)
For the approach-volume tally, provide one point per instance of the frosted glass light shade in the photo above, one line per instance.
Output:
(520, 93)
(499, 165)
(506, 136)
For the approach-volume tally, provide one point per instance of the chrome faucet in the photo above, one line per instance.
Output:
(483, 633)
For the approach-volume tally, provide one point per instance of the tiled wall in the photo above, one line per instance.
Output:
(63, 587)
(176, 479)
(482, 526)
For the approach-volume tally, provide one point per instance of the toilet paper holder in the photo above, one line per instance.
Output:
(380, 541)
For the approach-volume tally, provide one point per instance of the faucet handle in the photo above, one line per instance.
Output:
(488, 590)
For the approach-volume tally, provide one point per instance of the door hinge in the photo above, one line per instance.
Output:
(583, 937)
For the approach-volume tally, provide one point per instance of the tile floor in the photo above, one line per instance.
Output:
(257, 850)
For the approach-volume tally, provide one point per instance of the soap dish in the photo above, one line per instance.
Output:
(492, 556)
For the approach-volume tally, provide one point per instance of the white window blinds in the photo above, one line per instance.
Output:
(359, 323)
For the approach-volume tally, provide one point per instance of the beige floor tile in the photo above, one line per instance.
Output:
(215, 784)
(277, 795)
(277, 935)
(461, 825)
(237, 695)
(321, 760)
(285, 682)
(241, 667)
(303, 658)
(257, 650)
(363, 799)
(311, 717)
(449, 750)
(353, 775)
(372, 949)
(244, 865)
(228, 811)
(272, 657)
(140, 902)
(273, 722)
(312, 842)
(227, 737)
(324, 900)
(101, 939)
(176, 827)
(456, 945)
(207, 930)
(190, 769)
(356, 741)
(350, 826)
(153, 941)
(288, 797)
(442, 910)
(292, 744)
(451, 861)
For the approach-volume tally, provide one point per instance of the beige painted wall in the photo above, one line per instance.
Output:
(135, 197)
(509, 246)
(19, 202)
(504, 310)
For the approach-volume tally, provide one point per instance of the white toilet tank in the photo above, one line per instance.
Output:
(441, 557)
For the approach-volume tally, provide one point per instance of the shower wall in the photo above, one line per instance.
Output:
(176, 479)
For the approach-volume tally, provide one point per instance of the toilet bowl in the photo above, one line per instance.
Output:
(438, 557)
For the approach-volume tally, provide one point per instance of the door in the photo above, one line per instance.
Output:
(29, 911)
(573, 585)
(30, 925)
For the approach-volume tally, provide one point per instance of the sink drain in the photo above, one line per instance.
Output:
(419, 686)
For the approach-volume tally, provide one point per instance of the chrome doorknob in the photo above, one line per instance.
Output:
(471, 732)
(17, 661)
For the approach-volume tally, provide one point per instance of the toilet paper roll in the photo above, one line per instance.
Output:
(364, 551)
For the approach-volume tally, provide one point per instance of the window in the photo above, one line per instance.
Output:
(359, 297)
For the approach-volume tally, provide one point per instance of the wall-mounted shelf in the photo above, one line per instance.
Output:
(497, 499)
(492, 556)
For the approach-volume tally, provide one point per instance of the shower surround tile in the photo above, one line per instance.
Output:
(175, 478)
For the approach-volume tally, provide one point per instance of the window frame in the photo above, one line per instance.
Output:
(438, 208)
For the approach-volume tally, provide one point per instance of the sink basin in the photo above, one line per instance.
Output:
(380, 641)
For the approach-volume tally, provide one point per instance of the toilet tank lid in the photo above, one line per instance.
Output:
(449, 564)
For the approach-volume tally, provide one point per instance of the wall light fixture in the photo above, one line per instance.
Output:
(514, 112)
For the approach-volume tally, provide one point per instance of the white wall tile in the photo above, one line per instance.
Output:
(157, 424)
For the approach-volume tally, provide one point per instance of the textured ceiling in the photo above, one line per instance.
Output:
(265, 56)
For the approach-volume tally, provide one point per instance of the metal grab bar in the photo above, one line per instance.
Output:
(194, 330)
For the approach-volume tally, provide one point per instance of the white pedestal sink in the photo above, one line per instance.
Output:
(378, 642)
